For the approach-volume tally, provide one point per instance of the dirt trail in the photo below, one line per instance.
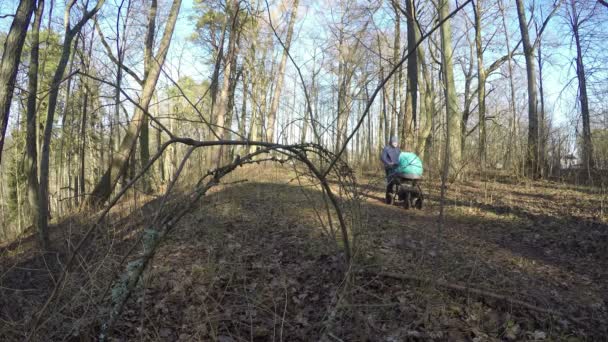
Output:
(253, 263)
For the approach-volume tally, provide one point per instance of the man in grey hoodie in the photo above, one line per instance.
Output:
(390, 159)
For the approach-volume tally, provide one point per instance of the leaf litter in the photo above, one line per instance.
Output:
(252, 263)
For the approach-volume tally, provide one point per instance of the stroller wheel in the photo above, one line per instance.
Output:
(418, 203)
(407, 200)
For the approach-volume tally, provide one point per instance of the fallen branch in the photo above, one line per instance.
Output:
(153, 237)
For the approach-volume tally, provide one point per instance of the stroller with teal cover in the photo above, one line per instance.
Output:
(404, 182)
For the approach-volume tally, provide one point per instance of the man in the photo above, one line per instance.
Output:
(390, 159)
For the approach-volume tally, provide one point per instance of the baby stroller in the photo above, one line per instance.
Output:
(406, 189)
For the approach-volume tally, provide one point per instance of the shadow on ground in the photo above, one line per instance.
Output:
(255, 262)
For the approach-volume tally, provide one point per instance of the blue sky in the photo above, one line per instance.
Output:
(313, 21)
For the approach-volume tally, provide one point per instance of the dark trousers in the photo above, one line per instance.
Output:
(389, 180)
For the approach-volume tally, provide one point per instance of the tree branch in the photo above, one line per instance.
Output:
(113, 58)
(385, 80)
(309, 106)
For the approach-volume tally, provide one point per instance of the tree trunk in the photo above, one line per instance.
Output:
(83, 123)
(31, 153)
(10, 62)
(468, 94)
(413, 36)
(70, 33)
(342, 112)
(67, 110)
(542, 122)
(343, 83)
(274, 106)
(453, 117)
(83, 132)
(223, 101)
(144, 134)
(426, 107)
(243, 119)
(121, 42)
(395, 112)
(230, 112)
(588, 160)
(481, 87)
(532, 150)
(512, 144)
(119, 163)
(215, 78)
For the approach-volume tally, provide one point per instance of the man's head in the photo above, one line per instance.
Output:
(394, 141)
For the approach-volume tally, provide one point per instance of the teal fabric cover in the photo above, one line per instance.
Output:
(409, 163)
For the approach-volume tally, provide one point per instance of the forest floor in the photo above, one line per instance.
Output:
(513, 261)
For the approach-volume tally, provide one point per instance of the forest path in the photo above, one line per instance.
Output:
(254, 264)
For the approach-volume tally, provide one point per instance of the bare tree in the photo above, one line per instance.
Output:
(69, 35)
(576, 19)
(274, 105)
(222, 109)
(119, 162)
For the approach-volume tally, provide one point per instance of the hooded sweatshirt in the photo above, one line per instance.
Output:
(390, 154)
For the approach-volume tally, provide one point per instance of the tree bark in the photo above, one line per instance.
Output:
(10, 62)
